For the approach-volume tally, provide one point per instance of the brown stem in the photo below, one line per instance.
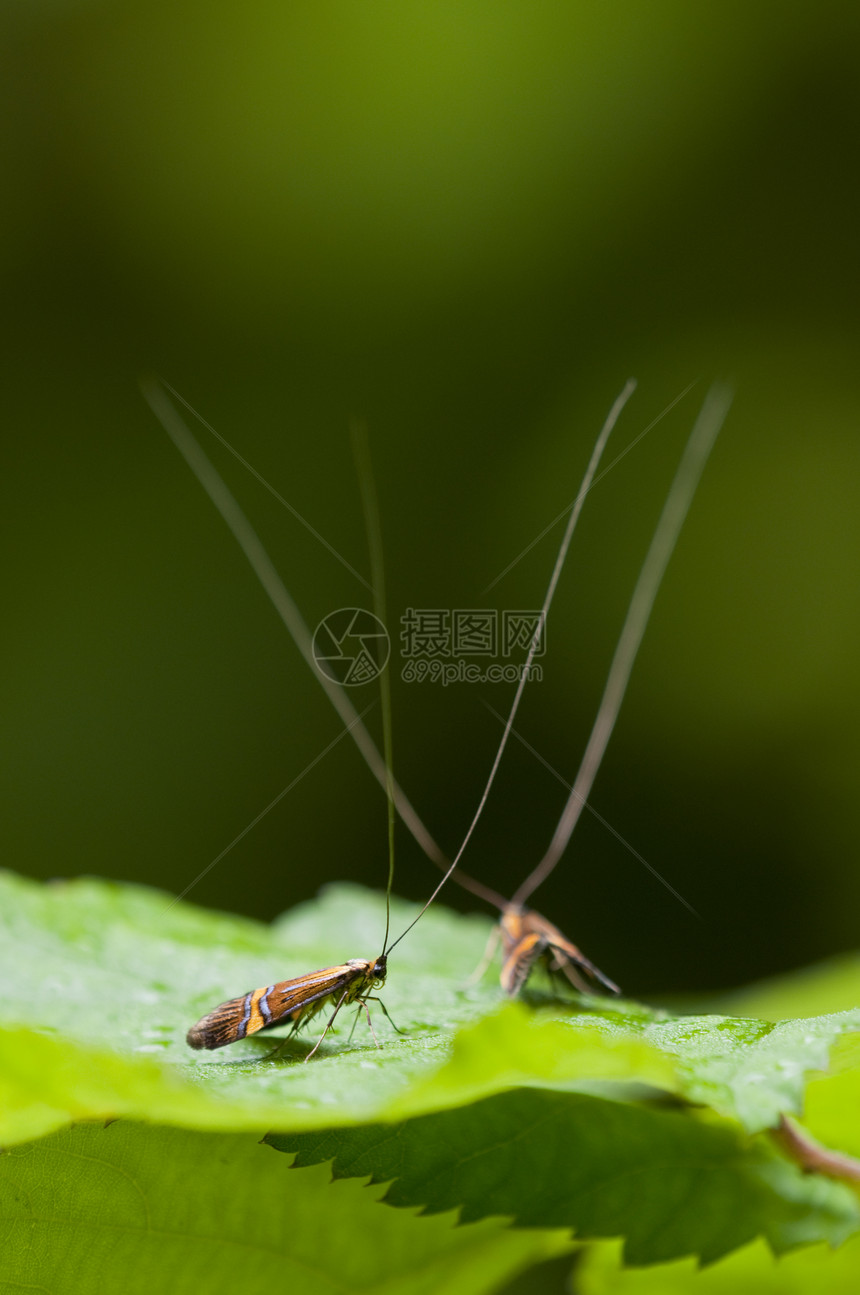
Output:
(811, 1156)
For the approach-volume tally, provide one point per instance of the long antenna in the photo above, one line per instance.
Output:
(705, 430)
(593, 463)
(249, 467)
(591, 469)
(264, 569)
(373, 526)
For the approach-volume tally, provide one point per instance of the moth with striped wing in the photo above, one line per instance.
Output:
(295, 1001)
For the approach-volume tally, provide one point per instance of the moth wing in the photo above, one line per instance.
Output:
(219, 1027)
(289, 998)
(519, 962)
(567, 953)
(568, 956)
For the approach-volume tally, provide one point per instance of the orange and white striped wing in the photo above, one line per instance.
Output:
(527, 937)
(296, 1000)
(519, 959)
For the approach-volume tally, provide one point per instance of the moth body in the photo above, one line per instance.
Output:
(528, 938)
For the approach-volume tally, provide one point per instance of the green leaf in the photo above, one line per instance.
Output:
(751, 1070)
(103, 979)
(669, 1183)
(142, 1209)
(94, 968)
(831, 986)
(813, 1270)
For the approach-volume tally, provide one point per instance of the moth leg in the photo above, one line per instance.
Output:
(487, 958)
(387, 1014)
(358, 1017)
(369, 1021)
(281, 1044)
(566, 967)
(278, 1048)
(340, 1003)
(557, 983)
(566, 964)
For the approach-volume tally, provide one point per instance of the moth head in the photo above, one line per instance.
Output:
(513, 924)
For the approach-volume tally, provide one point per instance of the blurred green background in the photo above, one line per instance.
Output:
(467, 223)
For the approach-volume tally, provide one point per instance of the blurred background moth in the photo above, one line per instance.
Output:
(528, 938)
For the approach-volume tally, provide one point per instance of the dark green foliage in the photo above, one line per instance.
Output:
(670, 1183)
